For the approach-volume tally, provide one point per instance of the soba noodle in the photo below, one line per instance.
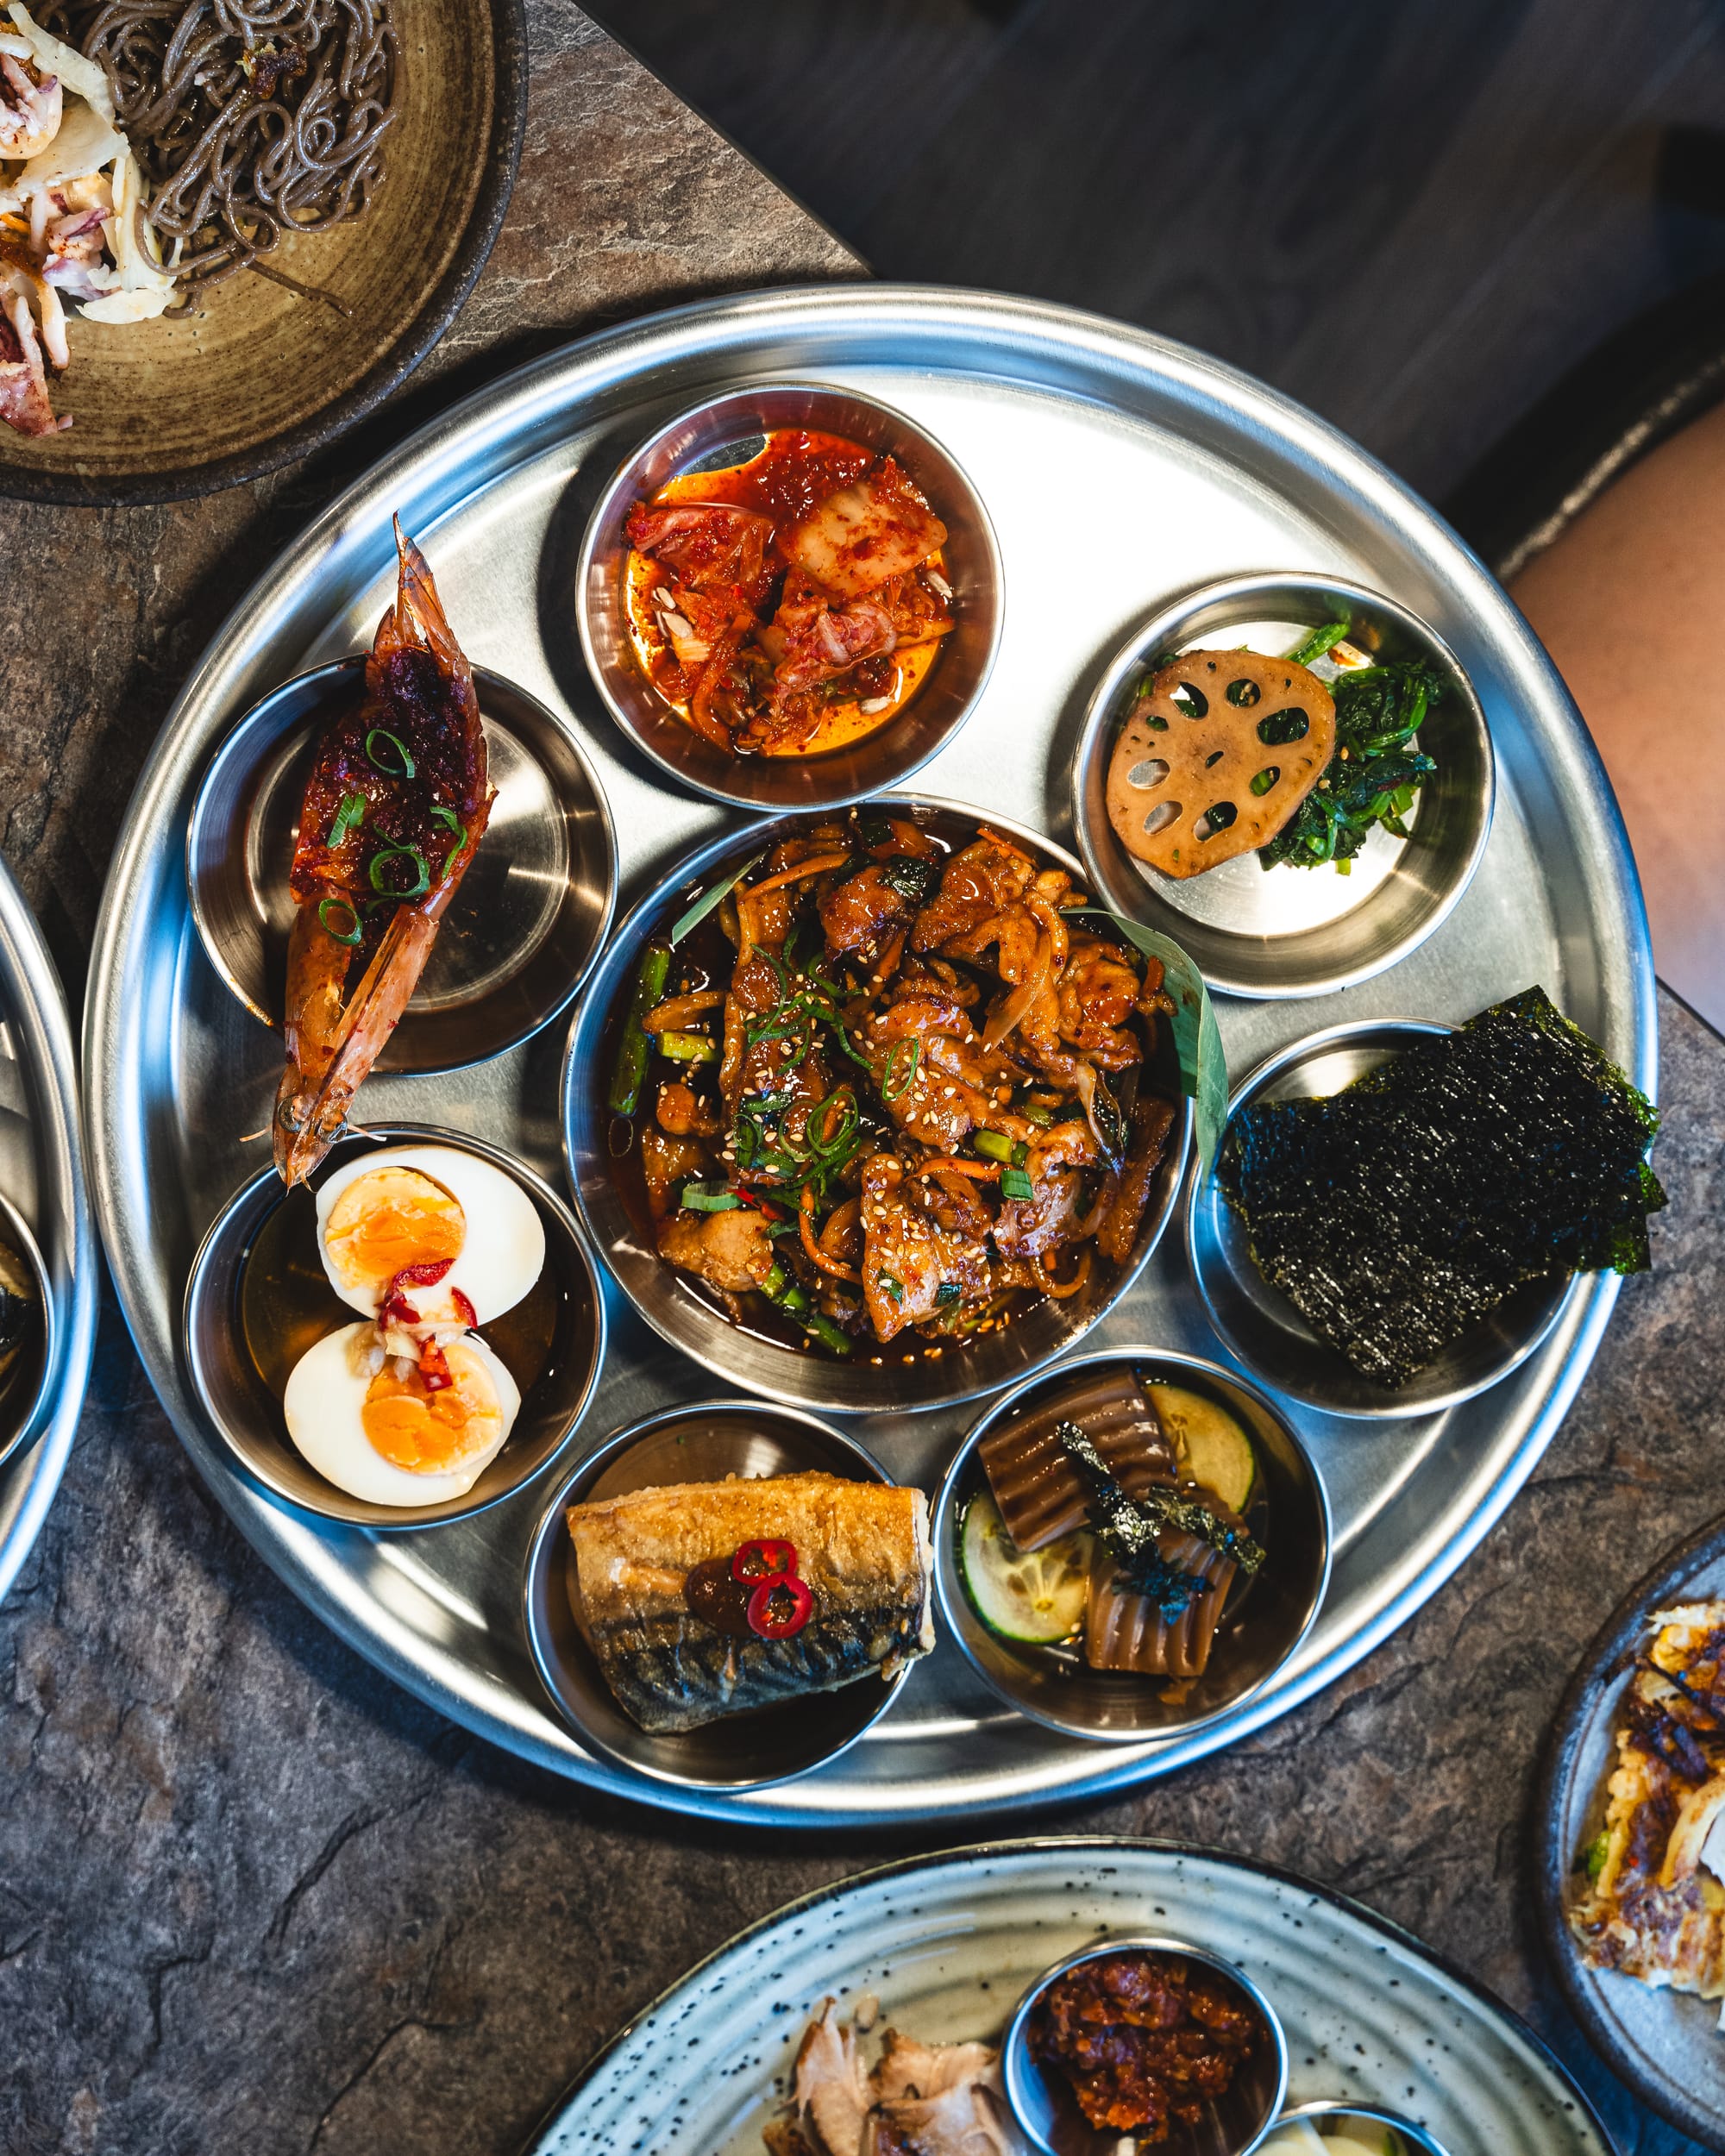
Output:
(249, 118)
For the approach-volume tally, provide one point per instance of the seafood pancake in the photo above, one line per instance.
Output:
(677, 1591)
(1653, 1905)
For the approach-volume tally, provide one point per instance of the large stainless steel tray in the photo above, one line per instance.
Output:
(41, 1171)
(1118, 470)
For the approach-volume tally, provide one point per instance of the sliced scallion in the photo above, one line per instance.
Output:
(403, 766)
(349, 936)
(348, 817)
(710, 1198)
(447, 816)
(382, 874)
(1014, 1184)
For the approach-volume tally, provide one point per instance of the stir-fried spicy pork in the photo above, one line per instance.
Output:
(792, 603)
(891, 1086)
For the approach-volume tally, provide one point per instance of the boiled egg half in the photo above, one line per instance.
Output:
(369, 1423)
(410, 1206)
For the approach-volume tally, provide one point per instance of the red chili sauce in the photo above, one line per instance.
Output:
(1143, 2040)
(730, 623)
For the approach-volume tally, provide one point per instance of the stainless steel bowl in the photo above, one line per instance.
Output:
(1233, 2125)
(22, 1403)
(719, 431)
(1286, 932)
(702, 1442)
(1258, 1324)
(668, 1302)
(1262, 1624)
(244, 1406)
(532, 911)
(1413, 2138)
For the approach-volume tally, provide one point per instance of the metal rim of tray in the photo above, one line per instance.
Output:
(1209, 426)
(33, 1006)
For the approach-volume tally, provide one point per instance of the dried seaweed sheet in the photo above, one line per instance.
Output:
(1400, 1212)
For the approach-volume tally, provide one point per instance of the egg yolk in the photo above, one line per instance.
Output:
(387, 1220)
(431, 1432)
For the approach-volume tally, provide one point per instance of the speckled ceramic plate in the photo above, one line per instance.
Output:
(1667, 2048)
(255, 375)
(948, 1943)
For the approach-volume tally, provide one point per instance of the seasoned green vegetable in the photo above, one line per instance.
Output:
(1399, 1212)
(1593, 1857)
(1374, 772)
(631, 1067)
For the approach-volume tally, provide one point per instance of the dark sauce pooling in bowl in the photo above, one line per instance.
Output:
(287, 1305)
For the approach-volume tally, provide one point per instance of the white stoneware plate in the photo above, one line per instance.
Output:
(1666, 2045)
(948, 1943)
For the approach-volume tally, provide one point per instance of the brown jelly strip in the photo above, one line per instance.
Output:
(1039, 1492)
(1126, 1631)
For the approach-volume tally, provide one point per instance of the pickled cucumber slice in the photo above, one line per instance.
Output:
(1037, 1596)
(1209, 1445)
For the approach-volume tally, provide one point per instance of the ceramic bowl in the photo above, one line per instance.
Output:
(255, 375)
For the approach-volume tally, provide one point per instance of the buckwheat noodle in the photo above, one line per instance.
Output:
(249, 118)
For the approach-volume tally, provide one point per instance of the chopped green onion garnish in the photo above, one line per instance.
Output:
(704, 904)
(827, 1333)
(403, 766)
(900, 1072)
(947, 1294)
(342, 936)
(348, 817)
(991, 1145)
(1320, 641)
(890, 1286)
(1014, 1184)
(688, 1048)
(449, 817)
(1020, 1154)
(381, 872)
(710, 1198)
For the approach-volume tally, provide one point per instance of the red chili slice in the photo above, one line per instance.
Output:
(465, 1309)
(395, 1305)
(765, 1561)
(780, 1606)
(434, 1368)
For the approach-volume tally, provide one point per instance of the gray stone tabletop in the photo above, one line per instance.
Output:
(253, 1897)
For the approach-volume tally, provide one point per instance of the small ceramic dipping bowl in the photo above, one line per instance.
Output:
(1293, 931)
(727, 431)
(521, 932)
(1258, 1324)
(258, 1298)
(1367, 2122)
(703, 1441)
(22, 1403)
(1233, 2125)
(604, 1174)
(1263, 1620)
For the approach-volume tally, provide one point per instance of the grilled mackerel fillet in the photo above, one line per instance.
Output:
(862, 1548)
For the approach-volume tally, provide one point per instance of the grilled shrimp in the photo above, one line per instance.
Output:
(394, 810)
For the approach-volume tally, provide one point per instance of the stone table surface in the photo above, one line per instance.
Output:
(254, 1896)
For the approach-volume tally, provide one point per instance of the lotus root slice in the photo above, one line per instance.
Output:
(1180, 780)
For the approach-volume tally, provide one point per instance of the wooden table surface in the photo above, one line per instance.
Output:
(254, 1896)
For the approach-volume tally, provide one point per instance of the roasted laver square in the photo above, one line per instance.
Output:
(1650, 1903)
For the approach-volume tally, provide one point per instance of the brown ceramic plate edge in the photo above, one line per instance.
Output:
(485, 221)
(1590, 1695)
